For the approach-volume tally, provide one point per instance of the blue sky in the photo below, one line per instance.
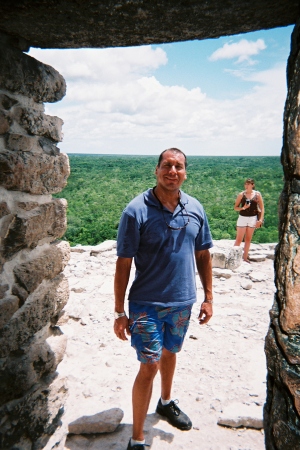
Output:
(215, 97)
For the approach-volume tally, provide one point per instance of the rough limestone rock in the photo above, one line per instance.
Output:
(8, 306)
(45, 223)
(43, 305)
(37, 123)
(218, 259)
(103, 422)
(281, 411)
(240, 415)
(3, 289)
(18, 142)
(22, 74)
(103, 247)
(247, 285)
(40, 409)
(222, 273)
(50, 263)
(226, 256)
(288, 343)
(257, 257)
(19, 373)
(257, 277)
(72, 24)
(234, 258)
(4, 210)
(34, 173)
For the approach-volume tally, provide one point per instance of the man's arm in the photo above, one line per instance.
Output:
(123, 266)
(204, 267)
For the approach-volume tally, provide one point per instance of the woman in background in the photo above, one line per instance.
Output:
(249, 203)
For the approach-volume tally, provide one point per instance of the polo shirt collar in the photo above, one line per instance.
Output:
(150, 200)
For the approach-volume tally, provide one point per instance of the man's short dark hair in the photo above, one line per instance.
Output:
(174, 150)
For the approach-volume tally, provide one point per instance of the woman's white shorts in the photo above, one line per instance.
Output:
(247, 221)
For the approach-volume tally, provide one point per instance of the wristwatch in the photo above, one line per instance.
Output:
(118, 315)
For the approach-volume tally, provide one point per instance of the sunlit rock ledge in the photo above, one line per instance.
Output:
(224, 254)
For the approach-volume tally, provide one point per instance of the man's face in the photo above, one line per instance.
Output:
(171, 173)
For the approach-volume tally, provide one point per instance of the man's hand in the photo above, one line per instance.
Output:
(206, 312)
(120, 326)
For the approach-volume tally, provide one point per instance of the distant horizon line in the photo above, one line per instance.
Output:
(189, 156)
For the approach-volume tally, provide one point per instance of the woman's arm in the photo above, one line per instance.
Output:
(261, 207)
(238, 200)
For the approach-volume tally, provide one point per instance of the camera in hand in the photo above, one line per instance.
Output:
(248, 201)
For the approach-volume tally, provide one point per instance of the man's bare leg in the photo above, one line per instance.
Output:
(141, 396)
(175, 416)
(167, 366)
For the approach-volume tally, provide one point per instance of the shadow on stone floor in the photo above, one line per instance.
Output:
(119, 439)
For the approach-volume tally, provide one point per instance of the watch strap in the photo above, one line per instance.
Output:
(119, 314)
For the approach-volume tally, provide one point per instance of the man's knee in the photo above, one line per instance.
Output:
(148, 370)
(167, 354)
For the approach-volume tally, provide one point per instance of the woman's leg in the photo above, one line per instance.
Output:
(240, 232)
(248, 238)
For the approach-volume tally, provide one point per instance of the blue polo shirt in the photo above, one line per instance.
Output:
(164, 257)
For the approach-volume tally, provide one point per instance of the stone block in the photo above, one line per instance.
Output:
(240, 415)
(6, 222)
(32, 419)
(221, 273)
(281, 411)
(21, 143)
(280, 420)
(234, 258)
(45, 223)
(290, 314)
(4, 210)
(289, 344)
(103, 247)
(40, 308)
(49, 148)
(8, 306)
(4, 123)
(27, 206)
(218, 260)
(49, 264)
(3, 289)
(36, 123)
(103, 422)
(34, 173)
(258, 277)
(22, 74)
(7, 102)
(257, 257)
(18, 373)
(20, 292)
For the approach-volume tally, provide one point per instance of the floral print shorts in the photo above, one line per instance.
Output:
(154, 327)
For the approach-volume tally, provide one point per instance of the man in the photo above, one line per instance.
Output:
(165, 231)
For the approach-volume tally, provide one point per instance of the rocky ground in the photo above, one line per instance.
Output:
(221, 371)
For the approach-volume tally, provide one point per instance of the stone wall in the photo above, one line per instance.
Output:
(282, 408)
(33, 290)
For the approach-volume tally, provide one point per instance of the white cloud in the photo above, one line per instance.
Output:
(241, 50)
(103, 65)
(115, 104)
